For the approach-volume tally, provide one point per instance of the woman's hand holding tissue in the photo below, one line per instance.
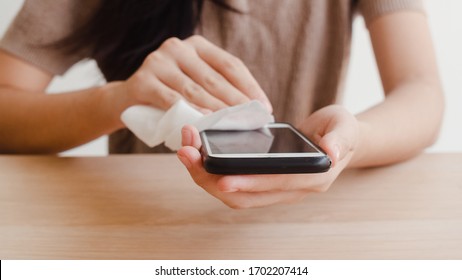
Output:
(193, 69)
(334, 129)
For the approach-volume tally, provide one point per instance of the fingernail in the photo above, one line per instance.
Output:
(336, 151)
(187, 137)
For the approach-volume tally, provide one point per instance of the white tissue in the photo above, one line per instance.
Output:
(154, 126)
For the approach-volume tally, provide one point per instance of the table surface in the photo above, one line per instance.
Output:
(147, 207)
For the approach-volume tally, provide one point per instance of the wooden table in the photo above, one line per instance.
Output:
(147, 207)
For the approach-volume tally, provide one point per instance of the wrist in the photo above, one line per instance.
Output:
(115, 100)
(358, 153)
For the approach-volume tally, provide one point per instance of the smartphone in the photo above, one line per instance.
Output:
(277, 148)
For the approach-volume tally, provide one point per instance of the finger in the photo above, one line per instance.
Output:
(242, 200)
(160, 65)
(339, 139)
(273, 182)
(231, 68)
(334, 146)
(190, 90)
(191, 158)
(186, 155)
(334, 129)
(190, 136)
(148, 89)
(214, 83)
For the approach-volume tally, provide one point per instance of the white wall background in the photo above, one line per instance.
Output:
(363, 83)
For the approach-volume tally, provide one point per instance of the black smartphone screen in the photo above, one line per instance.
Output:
(277, 148)
(271, 140)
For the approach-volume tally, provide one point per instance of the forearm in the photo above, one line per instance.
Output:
(40, 123)
(404, 124)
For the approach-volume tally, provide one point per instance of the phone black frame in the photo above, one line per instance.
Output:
(265, 165)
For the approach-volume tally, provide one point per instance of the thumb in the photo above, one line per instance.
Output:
(340, 136)
(190, 137)
(336, 146)
(334, 129)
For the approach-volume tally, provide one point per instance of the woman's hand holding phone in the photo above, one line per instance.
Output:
(332, 128)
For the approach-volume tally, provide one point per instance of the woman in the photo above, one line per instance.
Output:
(290, 55)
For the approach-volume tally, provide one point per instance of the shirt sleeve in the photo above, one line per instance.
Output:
(372, 9)
(38, 25)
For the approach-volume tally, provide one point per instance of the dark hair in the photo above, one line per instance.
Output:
(121, 33)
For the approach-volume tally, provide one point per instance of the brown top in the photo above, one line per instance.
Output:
(297, 50)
